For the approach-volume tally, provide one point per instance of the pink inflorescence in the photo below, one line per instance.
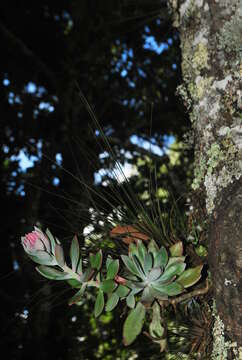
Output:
(31, 238)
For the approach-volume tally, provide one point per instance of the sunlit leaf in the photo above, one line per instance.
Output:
(175, 269)
(174, 260)
(190, 276)
(176, 249)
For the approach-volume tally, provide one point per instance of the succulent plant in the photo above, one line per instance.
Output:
(150, 275)
(153, 273)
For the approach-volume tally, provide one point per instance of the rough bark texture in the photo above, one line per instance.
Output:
(210, 32)
(226, 254)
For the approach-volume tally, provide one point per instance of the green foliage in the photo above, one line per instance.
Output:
(99, 304)
(152, 275)
(75, 255)
(52, 274)
(133, 324)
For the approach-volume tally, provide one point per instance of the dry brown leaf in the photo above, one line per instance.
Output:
(128, 233)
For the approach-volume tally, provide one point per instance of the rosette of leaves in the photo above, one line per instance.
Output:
(155, 273)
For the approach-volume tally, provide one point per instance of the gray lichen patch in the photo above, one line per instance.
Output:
(221, 346)
(229, 37)
(218, 167)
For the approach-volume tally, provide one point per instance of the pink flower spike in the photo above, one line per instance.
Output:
(38, 246)
(36, 240)
(32, 237)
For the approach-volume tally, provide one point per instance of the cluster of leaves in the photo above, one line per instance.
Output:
(145, 278)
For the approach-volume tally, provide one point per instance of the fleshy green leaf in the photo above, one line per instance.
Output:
(153, 248)
(130, 265)
(148, 262)
(201, 251)
(133, 250)
(96, 260)
(155, 328)
(147, 295)
(43, 258)
(133, 324)
(170, 289)
(112, 302)
(139, 266)
(158, 294)
(161, 258)
(190, 276)
(113, 268)
(130, 301)
(108, 286)
(59, 255)
(78, 296)
(74, 283)
(175, 269)
(88, 273)
(99, 304)
(176, 249)
(108, 261)
(141, 251)
(52, 240)
(154, 274)
(175, 260)
(53, 274)
(99, 257)
(75, 254)
(122, 291)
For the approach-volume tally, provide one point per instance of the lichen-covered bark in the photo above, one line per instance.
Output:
(226, 255)
(210, 32)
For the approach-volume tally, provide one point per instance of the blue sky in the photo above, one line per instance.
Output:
(123, 66)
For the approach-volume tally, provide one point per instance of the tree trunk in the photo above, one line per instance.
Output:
(210, 33)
